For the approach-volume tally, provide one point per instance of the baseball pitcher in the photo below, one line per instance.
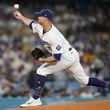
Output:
(63, 55)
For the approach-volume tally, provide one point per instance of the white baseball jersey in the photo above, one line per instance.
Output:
(54, 42)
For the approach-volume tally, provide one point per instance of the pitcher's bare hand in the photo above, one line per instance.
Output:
(18, 15)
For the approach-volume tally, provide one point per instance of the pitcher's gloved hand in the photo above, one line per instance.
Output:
(37, 53)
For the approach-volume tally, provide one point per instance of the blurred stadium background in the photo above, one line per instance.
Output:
(86, 25)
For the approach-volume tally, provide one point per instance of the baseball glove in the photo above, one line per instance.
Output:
(37, 53)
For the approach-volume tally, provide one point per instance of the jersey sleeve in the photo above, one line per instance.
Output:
(36, 27)
(57, 49)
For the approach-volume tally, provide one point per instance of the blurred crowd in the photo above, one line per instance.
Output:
(86, 28)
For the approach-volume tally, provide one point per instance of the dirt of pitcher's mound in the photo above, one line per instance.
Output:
(93, 105)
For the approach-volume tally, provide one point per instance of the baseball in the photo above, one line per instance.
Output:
(16, 6)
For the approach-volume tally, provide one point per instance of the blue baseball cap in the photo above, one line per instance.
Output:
(46, 13)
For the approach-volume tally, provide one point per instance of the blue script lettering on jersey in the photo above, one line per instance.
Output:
(58, 47)
(45, 43)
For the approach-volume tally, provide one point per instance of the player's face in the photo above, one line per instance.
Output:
(41, 19)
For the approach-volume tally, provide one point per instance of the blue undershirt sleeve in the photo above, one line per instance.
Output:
(57, 56)
(30, 25)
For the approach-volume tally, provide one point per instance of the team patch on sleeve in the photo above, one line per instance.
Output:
(58, 47)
